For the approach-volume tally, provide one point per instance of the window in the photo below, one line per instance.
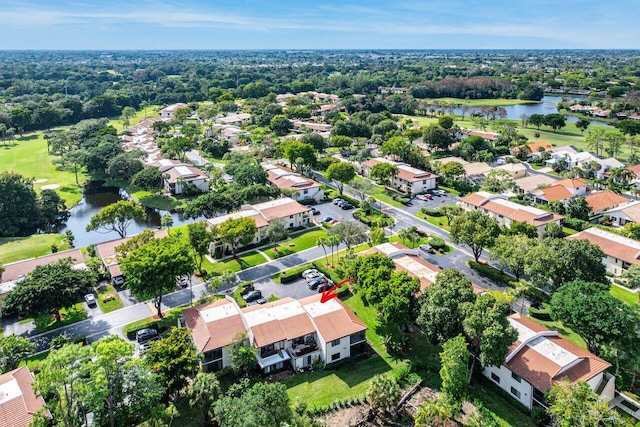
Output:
(516, 377)
(305, 192)
(335, 342)
(335, 357)
(290, 216)
(424, 181)
(515, 392)
(495, 377)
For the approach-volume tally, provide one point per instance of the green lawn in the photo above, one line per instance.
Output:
(623, 294)
(14, 249)
(380, 193)
(245, 261)
(569, 231)
(563, 330)
(298, 242)
(438, 221)
(147, 198)
(34, 362)
(28, 156)
(151, 111)
(71, 315)
(114, 304)
(483, 102)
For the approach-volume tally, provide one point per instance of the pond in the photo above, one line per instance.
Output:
(95, 197)
(548, 105)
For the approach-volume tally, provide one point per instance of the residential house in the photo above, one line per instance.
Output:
(506, 211)
(540, 358)
(393, 90)
(559, 190)
(475, 172)
(628, 212)
(487, 136)
(409, 180)
(533, 182)
(516, 170)
(293, 215)
(299, 125)
(600, 201)
(107, 252)
(167, 112)
(287, 333)
(234, 119)
(410, 261)
(303, 188)
(620, 252)
(177, 176)
(582, 158)
(19, 402)
(636, 171)
(16, 271)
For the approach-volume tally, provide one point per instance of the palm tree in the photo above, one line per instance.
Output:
(322, 241)
(203, 392)
(635, 192)
(333, 242)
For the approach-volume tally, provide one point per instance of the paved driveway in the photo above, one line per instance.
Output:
(417, 204)
(335, 212)
(296, 289)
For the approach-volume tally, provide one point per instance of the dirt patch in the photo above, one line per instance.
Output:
(50, 186)
(347, 417)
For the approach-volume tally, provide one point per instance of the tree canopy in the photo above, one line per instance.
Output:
(475, 229)
(117, 217)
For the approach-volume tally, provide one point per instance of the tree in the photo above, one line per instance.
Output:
(410, 234)
(628, 126)
(349, 232)
(614, 140)
(199, 239)
(17, 219)
(362, 188)
(498, 181)
(124, 166)
(384, 173)
(237, 232)
(555, 262)
(280, 124)
(178, 146)
(554, 120)
(300, 154)
(315, 139)
(117, 217)
(340, 173)
(596, 139)
(21, 117)
(53, 211)
(383, 393)
(440, 316)
(474, 229)
(436, 138)
(536, 120)
(453, 359)
(577, 207)
(242, 355)
(488, 331)
(49, 288)
(276, 232)
(512, 252)
(631, 230)
(582, 124)
(13, 350)
(174, 359)
(202, 392)
(452, 170)
(265, 405)
(576, 405)
(127, 114)
(589, 309)
(146, 279)
(445, 122)
(148, 178)
(166, 221)
(396, 300)
(632, 274)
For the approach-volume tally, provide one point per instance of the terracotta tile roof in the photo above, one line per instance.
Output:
(18, 400)
(499, 205)
(405, 172)
(14, 270)
(484, 135)
(572, 182)
(632, 211)
(555, 193)
(333, 319)
(188, 173)
(611, 244)
(284, 319)
(531, 183)
(548, 358)
(283, 177)
(214, 325)
(604, 200)
(534, 146)
(108, 249)
(281, 208)
(635, 169)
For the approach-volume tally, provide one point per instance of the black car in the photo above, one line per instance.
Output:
(316, 281)
(252, 295)
(325, 286)
(146, 335)
(315, 211)
(346, 206)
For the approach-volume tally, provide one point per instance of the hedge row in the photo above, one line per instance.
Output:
(437, 243)
(539, 314)
(331, 274)
(492, 273)
(431, 212)
(294, 273)
(577, 224)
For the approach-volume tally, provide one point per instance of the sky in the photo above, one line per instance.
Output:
(319, 24)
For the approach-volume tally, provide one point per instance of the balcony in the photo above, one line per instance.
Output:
(302, 349)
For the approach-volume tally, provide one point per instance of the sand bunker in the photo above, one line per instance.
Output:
(40, 181)
(50, 186)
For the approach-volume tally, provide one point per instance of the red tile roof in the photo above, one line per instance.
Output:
(19, 403)
(22, 268)
(613, 245)
(572, 182)
(604, 200)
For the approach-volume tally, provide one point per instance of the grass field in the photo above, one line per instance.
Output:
(71, 315)
(298, 242)
(564, 331)
(247, 260)
(14, 249)
(628, 297)
(108, 306)
(28, 156)
(151, 111)
(483, 102)
(147, 198)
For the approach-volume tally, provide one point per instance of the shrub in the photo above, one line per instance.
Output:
(431, 212)
(539, 314)
(576, 224)
(294, 273)
(492, 273)
(437, 243)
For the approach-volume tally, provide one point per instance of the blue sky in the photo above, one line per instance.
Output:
(320, 24)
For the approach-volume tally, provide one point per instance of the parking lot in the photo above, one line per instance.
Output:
(335, 212)
(417, 204)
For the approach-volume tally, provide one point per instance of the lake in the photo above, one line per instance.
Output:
(94, 198)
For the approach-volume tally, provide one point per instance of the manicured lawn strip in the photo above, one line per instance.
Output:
(569, 231)
(34, 362)
(147, 198)
(71, 315)
(297, 242)
(438, 221)
(247, 260)
(108, 306)
(14, 249)
(625, 295)
(449, 190)
(169, 321)
(28, 156)
(563, 330)
(380, 193)
(482, 102)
